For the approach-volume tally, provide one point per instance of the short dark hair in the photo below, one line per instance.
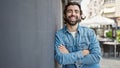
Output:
(72, 3)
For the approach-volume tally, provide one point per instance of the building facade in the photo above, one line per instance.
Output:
(94, 8)
(111, 9)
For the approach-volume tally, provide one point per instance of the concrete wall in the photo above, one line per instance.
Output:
(27, 29)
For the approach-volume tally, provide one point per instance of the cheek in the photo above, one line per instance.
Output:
(79, 16)
(68, 14)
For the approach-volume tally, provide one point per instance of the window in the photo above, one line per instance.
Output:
(109, 1)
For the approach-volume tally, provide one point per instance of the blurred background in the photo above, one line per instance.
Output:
(103, 16)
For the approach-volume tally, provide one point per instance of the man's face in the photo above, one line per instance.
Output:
(72, 14)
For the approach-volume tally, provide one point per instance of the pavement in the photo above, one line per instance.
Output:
(110, 62)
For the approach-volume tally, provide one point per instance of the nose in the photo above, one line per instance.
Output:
(73, 13)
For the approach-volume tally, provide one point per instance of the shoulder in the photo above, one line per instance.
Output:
(86, 29)
(60, 31)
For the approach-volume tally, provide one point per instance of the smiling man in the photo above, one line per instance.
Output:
(76, 46)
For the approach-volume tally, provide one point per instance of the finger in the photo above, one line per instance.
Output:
(60, 47)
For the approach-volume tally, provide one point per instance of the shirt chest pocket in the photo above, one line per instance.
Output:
(83, 46)
(70, 47)
(68, 44)
(83, 43)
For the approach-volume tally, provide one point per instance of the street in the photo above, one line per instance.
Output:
(110, 62)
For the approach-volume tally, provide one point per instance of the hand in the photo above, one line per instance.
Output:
(85, 52)
(63, 49)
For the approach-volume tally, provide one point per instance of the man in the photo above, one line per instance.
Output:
(76, 46)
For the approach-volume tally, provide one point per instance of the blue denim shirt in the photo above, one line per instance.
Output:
(85, 39)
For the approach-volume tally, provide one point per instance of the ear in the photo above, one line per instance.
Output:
(83, 17)
(64, 18)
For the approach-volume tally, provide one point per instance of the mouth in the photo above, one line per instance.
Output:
(72, 18)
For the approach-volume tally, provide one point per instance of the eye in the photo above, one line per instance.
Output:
(77, 11)
(69, 11)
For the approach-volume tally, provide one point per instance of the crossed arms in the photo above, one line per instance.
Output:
(90, 56)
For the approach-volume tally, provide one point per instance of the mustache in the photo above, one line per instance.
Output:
(72, 16)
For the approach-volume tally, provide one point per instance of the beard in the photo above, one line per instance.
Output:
(72, 23)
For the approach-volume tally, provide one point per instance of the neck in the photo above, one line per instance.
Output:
(72, 28)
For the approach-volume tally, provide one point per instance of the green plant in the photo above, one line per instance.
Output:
(118, 35)
(109, 34)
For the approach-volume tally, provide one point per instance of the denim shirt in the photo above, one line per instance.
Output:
(85, 39)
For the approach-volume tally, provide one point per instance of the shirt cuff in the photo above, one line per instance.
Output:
(79, 55)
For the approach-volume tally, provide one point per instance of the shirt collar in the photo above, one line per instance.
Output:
(79, 28)
(65, 29)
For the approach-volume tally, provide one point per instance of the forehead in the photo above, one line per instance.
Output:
(74, 7)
